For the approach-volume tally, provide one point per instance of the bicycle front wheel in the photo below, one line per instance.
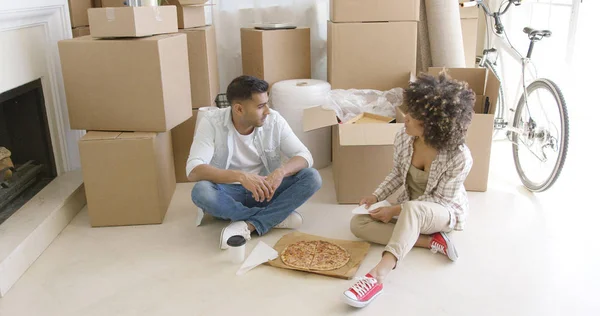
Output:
(541, 135)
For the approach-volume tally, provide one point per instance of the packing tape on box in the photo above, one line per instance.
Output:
(445, 34)
(290, 98)
(157, 14)
(110, 14)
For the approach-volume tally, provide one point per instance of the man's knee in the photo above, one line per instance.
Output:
(204, 193)
(358, 224)
(312, 177)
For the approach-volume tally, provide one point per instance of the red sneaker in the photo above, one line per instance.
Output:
(363, 292)
(441, 243)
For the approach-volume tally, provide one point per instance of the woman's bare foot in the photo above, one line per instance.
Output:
(384, 267)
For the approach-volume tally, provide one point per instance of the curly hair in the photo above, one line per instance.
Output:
(444, 105)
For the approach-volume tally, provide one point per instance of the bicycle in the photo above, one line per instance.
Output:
(535, 136)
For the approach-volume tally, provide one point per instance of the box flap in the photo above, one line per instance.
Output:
(91, 136)
(137, 135)
(318, 117)
(368, 134)
(475, 77)
(370, 118)
(492, 90)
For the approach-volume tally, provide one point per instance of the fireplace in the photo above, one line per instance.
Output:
(24, 132)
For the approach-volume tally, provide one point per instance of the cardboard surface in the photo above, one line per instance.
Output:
(182, 136)
(366, 56)
(373, 11)
(111, 4)
(276, 55)
(131, 85)
(78, 12)
(189, 16)
(203, 65)
(80, 31)
(357, 250)
(129, 177)
(132, 21)
(479, 136)
(469, 24)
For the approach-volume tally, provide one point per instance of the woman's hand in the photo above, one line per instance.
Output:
(386, 213)
(368, 201)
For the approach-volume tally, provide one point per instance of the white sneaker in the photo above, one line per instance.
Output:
(233, 229)
(293, 221)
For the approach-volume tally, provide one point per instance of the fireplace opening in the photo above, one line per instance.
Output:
(24, 133)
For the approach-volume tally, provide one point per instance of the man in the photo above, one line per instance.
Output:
(235, 158)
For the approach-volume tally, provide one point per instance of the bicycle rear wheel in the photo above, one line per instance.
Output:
(541, 143)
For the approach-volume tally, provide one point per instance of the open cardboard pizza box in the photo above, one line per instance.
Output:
(357, 250)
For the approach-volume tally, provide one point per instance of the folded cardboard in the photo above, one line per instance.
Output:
(78, 12)
(276, 55)
(378, 56)
(182, 136)
(362, 153)
(129, 177)
(203, 61)
(80, 31)
(469, 21)
(189, 16)
(479, 136)
(140, 84)
(132, 21)
(374, 11)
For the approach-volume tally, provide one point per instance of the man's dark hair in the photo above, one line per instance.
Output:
(243, 87)
(444, 105)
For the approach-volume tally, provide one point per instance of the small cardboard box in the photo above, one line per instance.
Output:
(378, 56)
(140, 84)
(189, 16)
(129, 177)
(363, 151)
(80, 31)
(374, 11)
(479, 136)
(204, 67)
(78, 12)
(469, 21)
(132, 21)
(276, 55)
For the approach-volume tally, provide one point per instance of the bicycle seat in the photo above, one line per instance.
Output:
(536, 35)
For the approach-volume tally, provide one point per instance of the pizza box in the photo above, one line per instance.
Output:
(357, 250)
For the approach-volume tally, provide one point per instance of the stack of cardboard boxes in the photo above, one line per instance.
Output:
(195, 20)
(79, 18)
(128, 92)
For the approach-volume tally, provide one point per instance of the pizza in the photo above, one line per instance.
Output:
(315, 255)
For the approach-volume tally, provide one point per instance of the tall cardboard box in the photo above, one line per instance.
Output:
(78, 11)
(374, 11)
(204, 67)
(479, 136)
(469, 21)
(276, 55)
(80, 31)
(140, 84)
(183, 136)
(378, 56)
(362, 153)
(129, 177)
(132, 21)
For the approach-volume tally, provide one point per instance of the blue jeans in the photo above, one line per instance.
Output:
(233, 202)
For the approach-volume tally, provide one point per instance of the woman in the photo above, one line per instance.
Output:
(431, 162)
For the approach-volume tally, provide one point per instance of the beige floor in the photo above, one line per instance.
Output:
(522, 254)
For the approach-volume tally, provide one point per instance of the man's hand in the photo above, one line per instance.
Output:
(259, 186)
(368, 201)
(385, 214)
(274, 180)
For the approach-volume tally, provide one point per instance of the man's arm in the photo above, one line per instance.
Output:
(293, 148)
(215, 175)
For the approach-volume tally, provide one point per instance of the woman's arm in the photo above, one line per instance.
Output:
(394, 180)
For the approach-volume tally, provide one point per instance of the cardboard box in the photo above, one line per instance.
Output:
(204, 68)
(140, 84)
(78, 12)
(189, 16)
(362, 153)
(132, 21)
(479, 136)
(276, 55)
(182, 136)
(378, 56)
(469, 20)
(374, 11)
(190, 2)
(129, 177)
(80, 31)
(111, 3)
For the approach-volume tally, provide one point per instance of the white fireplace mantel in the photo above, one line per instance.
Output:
(29, 32)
